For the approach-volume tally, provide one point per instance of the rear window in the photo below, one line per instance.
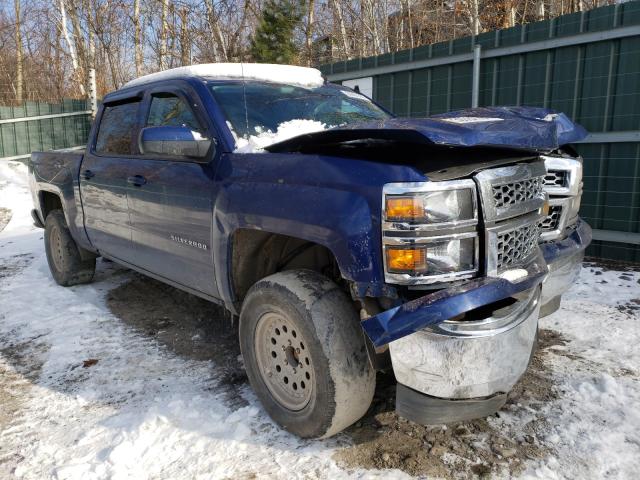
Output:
(116, 128)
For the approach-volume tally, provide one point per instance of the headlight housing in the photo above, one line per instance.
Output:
(430, 231)
(431, 208)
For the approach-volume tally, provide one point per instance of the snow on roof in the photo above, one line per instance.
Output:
(287, 74)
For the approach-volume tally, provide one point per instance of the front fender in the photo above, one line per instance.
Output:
(334, 202)
(341, 221)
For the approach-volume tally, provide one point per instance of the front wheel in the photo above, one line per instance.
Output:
(304, 353)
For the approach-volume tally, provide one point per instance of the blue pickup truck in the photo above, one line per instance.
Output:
(427, 246)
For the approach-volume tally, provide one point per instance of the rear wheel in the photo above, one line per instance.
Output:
(304, 353)
(65, 259)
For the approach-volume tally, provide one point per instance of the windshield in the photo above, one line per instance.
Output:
(271, 105)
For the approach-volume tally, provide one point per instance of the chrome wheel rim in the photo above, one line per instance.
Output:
(284, 361)
(57, 249)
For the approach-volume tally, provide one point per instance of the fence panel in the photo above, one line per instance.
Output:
(585, 64)
(35, 126)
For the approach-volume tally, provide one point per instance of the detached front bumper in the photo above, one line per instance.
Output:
(564, 260)
(459, 370)
(452, 370)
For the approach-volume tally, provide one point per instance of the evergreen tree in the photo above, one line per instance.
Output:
(273, 41)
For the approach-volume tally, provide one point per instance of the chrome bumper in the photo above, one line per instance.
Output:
(564, 260)
(449, 370)
(469, 359)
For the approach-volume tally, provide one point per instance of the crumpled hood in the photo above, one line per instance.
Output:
(527, 128)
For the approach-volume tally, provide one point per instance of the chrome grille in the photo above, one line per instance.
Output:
(556, 178)
(552, 220)
(515, 193)
(515, 247)
(512, 191)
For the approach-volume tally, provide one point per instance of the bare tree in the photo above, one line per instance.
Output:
(475, 17)
(218, 38)
(337, 9)
(185, 43)
(309, 32)
(19, 60)
(164, 27)
(47, 56)
(137, 40)
(71, 44)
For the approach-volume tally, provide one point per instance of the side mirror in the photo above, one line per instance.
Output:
(173, 141)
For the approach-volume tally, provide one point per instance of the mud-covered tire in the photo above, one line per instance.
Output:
(306, 324)
(63, 255)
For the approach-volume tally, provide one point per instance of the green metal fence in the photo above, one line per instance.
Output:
(36, 126)
(585, 64)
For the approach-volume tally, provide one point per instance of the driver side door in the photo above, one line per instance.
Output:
(171, 205)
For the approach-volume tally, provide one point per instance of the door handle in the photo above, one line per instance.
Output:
(137, 180)
(88, 174)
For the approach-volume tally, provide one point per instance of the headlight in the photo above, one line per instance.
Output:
(435, 257)
(433, 207)
(429, 231)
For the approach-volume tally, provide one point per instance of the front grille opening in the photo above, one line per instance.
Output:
(556, 178)
(516, 246)
(551, 221)
(514, 193)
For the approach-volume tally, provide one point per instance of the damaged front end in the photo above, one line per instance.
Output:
(477, 252)
(475, 244)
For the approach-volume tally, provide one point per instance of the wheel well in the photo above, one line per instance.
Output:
(48, 202)
(257, 254)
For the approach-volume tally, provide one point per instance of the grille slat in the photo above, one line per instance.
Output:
(556, 178)
(552, 220)
(516, 246)
(511, 199)
(514, 193)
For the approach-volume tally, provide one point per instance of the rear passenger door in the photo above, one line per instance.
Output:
(171, 210)
(103, 179)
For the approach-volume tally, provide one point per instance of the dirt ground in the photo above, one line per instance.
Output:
(183, 323)
(384, 440)
(21, 370)
(187, 325)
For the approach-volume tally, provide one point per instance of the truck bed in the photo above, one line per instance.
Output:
(54, 167)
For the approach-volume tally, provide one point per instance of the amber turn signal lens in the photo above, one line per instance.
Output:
(546, 208)
(406, 260)
(404, 208)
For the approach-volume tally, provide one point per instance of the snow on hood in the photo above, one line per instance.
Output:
(286, 74)
(286, 130)
(527, 128)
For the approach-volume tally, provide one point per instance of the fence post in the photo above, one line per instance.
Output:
(475, 79)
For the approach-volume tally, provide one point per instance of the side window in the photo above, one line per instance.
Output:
(170, 110)
(116, 128)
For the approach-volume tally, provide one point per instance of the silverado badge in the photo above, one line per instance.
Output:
(191, 243)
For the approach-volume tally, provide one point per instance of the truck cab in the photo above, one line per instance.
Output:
(344, 240)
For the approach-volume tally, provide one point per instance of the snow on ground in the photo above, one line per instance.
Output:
(139, 412)
(143, 411)
(286, 130)
(595, 426)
